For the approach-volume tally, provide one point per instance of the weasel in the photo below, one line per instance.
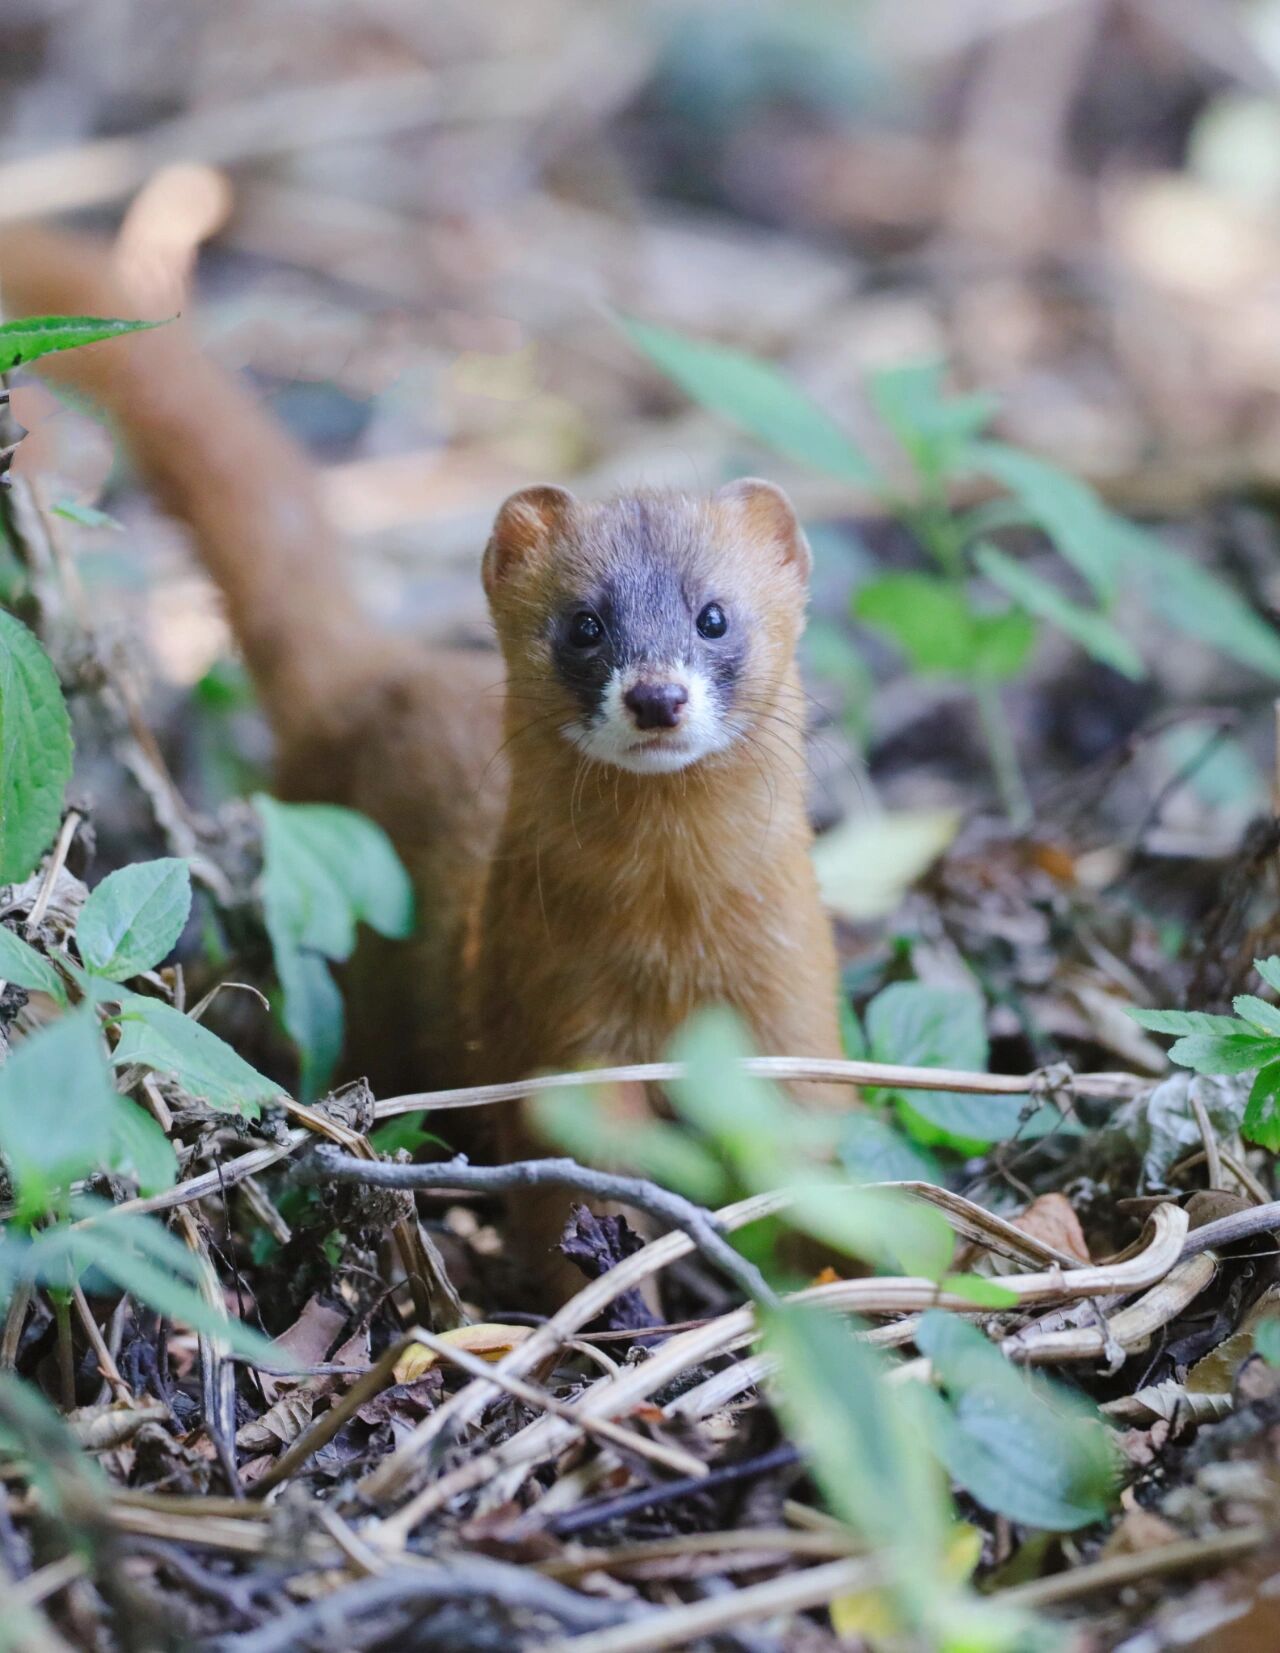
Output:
(640, 847)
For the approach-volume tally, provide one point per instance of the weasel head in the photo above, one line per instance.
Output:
(649, 632)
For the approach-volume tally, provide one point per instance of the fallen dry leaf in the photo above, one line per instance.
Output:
(1051, 1219)
(490, 1340)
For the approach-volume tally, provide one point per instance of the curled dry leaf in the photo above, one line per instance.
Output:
(1052, 1220)
(490, 1340)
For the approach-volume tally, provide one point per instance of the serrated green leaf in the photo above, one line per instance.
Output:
(1258, 1013)
(1088, 627)
(755, 396)
(1183, 1021)
(929, 618)
(156, 1036)
(1261, 1122)
(21, 963)
(1223, 1052)
(35, 751)
(35, 336)
(57, 1109)
(1020, 1446)
(133, 919)
(1269, 970)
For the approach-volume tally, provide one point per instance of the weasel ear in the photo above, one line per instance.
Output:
(765, 512)
(524, 525)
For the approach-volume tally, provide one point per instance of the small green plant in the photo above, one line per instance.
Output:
(1248, 1042)
(972, 611)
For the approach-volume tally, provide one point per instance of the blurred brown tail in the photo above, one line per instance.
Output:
(216, 461)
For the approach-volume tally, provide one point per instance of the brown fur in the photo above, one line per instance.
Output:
(571, 914)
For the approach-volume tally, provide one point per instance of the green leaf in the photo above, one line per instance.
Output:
(916, 1025)
(100, 1246)
(142, 1148)
(1184, 1021)
(1269, 970)
(576, 1121)
(155, 1035)
(1261, 1122)
(1266, 1341)
(872, 1150)
(753, 395)
(928, 618)
(35, 336)
(1238, 1052)
(86, 516)
(20, 963)
(1080, 526)
(980, 1290)
(57, 1109)
(1086, 626)
(930, 425)
(878, 1225)
(1258, 1013)
(864, 1439)
(35, 750)
(1003, 644)
(1199, 604)
(134, 918)
(324, 870)
(1021, 1447)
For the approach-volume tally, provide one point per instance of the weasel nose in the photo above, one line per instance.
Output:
(656, 705)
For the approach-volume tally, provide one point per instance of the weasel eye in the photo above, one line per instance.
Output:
(585, 631)
(711, 622)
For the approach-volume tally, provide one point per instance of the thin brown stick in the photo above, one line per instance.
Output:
(106, 1364)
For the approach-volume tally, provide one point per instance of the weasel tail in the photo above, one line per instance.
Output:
(376, 722)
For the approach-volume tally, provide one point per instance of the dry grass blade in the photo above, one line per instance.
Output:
(792, 1593)
(1105, 1087)
(610, 1396)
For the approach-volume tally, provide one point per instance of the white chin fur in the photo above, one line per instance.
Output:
(614, 739)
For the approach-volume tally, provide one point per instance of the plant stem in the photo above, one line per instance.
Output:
(1012, 788)
(66, 1354)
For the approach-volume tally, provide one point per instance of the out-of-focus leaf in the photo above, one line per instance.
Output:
(1073, 517)
(872, 1150)
(35, 750)
(1086, 626)
(865, 1440)
(1022, 1447)
(931, 425)
(133, 919)
(754, 395)
(929, 618)
(866, 865)
(575, 1121)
